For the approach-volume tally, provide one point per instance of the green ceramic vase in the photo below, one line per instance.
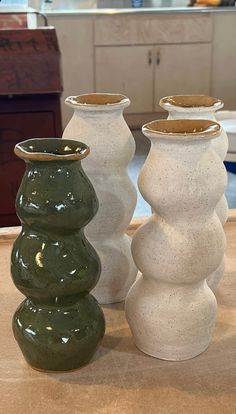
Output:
(59, 325)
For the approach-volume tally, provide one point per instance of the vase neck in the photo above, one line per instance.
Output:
(192, 114)
(98, 104)
(182, 131)
(98, 114)
(191, 104)
(51, 150)
(189, 151)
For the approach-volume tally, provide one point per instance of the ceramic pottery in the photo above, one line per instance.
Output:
(202, 107)
(170, 308)
(59, 325)
(98, 121)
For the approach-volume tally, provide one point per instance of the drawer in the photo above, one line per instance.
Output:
(152, 29)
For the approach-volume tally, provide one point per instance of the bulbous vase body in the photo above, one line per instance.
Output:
(170, 308)
(203, 107)
(60, 324)
(98, 120)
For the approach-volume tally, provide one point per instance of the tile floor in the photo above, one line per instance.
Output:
(142, 149)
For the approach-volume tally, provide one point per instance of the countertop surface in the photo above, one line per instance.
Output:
(121, 11)
(141, 10)
(125, 7)
(113, 7)
(120, 378)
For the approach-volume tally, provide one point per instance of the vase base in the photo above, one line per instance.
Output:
(174, 355)
(48, 371)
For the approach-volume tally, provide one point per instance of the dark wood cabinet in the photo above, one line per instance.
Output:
(23, 118)
(30, 88)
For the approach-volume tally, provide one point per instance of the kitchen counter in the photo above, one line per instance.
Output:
(120, 378)
(141, 10)
(55, 7)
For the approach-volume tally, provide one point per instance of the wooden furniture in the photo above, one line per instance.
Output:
(11, 20)
(30, 88)
(121, 379)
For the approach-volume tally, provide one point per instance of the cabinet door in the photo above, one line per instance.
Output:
(127, 70)
(15, 128)
(182, 69)
(224, 59)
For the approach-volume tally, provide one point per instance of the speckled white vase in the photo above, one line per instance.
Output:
(170, 308)
(203, 107)
(98, 121)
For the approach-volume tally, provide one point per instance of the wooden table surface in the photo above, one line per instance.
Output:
(120, 378)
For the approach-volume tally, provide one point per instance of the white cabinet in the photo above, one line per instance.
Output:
(181, 69)
(147, 73)
(152, 28)
(149, 56)
(224, 59)
(127, 70)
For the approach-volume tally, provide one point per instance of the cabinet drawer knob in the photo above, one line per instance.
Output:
(150, 57)
(158, 57)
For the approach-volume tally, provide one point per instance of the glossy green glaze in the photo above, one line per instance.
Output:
(59, 326)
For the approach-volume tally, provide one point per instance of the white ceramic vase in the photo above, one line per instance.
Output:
(203, 107)
(98, 121)
(170, 308)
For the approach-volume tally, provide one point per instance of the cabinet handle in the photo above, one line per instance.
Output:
(158, 57)
(150, 57)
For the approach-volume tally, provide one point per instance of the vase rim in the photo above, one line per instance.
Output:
(51, 149)
(185, 103)
(182, 129)
(98, 101)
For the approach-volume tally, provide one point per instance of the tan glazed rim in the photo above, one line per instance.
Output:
(185, 102)
(98, 101)
(182, 129)
(51, 149)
